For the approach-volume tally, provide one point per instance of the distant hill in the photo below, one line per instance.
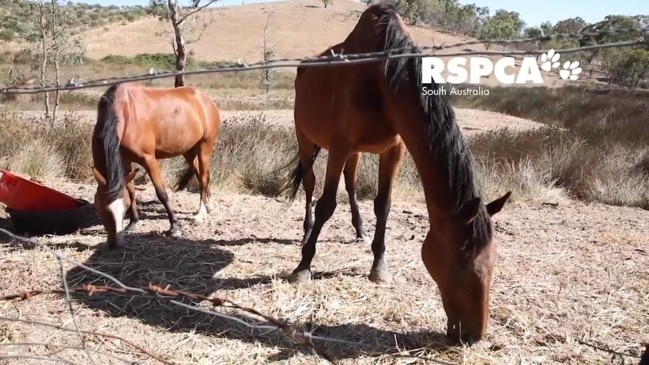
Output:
(15, 28)
(299, 28)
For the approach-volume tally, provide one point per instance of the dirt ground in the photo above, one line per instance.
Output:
(470, 120)
(570, 285)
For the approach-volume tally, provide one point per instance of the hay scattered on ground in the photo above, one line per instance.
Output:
(567, 275)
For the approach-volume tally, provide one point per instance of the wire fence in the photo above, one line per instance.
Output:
(356, 58)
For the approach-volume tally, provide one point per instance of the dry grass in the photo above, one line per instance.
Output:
(546, 306)
(542, 164)
(601, 157)
(45, 152)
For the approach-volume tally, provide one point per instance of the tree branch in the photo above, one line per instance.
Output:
(200, 34)
(196, 10)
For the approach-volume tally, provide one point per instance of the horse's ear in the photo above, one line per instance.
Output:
(496, 205)
(469, 210)
(98, 176)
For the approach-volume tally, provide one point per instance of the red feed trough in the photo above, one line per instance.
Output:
(21, 194)
(37, 209)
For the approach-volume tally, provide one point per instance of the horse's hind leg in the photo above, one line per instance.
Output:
(193, 161)
(204, 156)
(306, 150)
(153, 169)
(351, 185)
(325, 207)
(389, 163)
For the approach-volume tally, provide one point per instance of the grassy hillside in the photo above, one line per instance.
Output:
(297, 29)
(14, 28)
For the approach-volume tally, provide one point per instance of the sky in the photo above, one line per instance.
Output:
(533, 12)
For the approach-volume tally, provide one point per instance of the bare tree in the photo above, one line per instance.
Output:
(268, 73)
(184, 23)
(55, 47)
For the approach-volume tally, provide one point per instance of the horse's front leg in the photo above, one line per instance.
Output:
(131, 213)
(153, 169)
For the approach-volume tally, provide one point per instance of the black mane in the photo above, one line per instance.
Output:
(105, 136)
(446, 142)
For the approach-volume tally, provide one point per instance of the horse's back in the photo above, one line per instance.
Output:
(168, 119)
(368, 35)
(346, 100)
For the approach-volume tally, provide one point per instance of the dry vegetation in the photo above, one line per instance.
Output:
(243, 251)
(569, 284)
(598, 153)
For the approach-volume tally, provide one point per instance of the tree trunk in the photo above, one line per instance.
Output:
(181, 59)
(43, 70)
(181, 56)
(57, 56)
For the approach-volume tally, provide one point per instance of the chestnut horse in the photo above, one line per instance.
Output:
(138, 124)
(378, 107)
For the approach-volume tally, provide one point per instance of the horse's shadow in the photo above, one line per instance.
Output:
(191, 266)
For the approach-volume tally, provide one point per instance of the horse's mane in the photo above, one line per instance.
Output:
(106, 133)
(446, 143)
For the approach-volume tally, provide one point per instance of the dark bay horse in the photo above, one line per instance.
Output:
(378, 107)
(138, 124)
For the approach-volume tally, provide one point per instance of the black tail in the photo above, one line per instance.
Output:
(105, 137)
(298, 172)
(185, 179)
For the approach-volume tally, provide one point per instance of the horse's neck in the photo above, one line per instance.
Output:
(434, 181)
(435, 186)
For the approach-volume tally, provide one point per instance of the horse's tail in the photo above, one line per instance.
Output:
(296, 176)
(185, 178)
(105, 135)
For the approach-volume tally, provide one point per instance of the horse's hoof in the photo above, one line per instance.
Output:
(174, 233)
(380, 277)
(363, 239)
(198, 218)
(303, 276)
(118, 245)
(130, 226)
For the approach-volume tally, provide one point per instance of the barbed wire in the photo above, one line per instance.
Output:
(302, 338)
(354, 58)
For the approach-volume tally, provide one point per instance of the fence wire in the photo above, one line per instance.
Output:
(355, 58)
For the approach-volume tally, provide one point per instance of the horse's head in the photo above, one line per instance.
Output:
(460, 257)
(111, 210)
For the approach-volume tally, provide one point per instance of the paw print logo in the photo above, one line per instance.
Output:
(570, 71)
(549, 60)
